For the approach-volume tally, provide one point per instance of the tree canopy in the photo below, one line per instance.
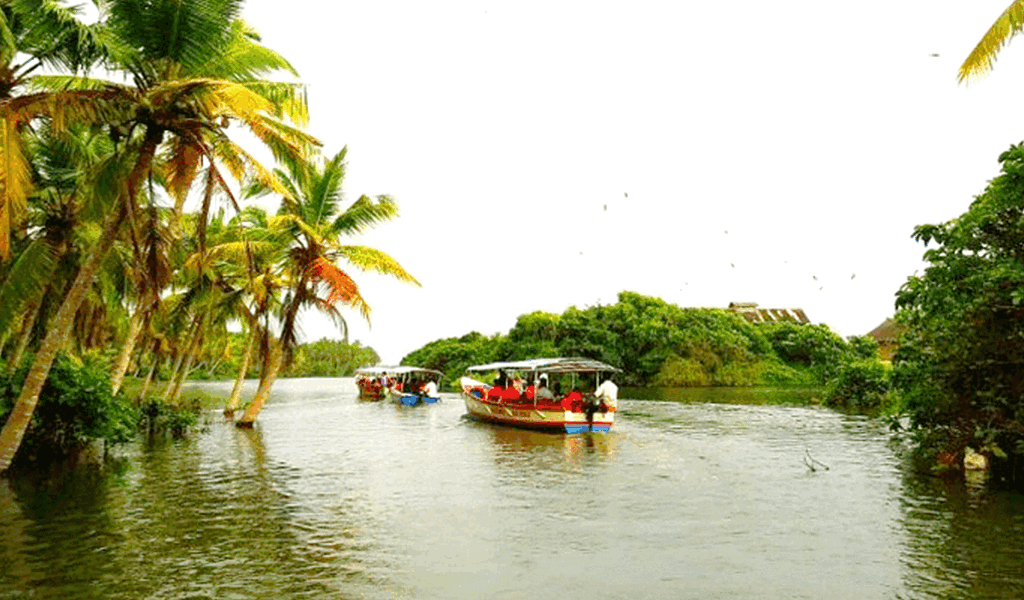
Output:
(959, 367)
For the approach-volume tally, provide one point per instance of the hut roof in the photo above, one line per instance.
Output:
(888, 331)
(751, 312)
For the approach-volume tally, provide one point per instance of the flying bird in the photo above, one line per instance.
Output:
(934, 54)
(625, 194)
(852, 276)
(814, 277)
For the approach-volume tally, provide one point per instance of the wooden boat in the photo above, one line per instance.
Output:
(585, 413)
(400, 383)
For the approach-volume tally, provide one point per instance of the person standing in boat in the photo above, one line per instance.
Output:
(430, 388)
(608, 394)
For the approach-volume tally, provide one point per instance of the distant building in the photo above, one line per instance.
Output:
(751, 312)
(887, 335)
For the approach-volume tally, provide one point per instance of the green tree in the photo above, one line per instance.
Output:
(959, 368)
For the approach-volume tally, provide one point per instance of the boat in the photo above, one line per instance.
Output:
(400, 383)
(579, 414)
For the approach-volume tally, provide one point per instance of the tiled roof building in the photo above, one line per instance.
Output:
(751, 312)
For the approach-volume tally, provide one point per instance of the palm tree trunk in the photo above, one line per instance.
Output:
(31, 314)
(236, 392)
(59, 328)
(121, 366)
(185, 363)
(273, 366)
(149, 379)
(178, 364)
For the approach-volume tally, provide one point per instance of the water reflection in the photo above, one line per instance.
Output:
(965, 537)
(517, 447)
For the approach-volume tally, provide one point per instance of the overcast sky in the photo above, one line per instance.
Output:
(548, 154)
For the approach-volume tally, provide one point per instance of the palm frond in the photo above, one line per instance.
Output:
(364, 214)
(982, 59)
(28, 275)
(342, 287)
(373, 260)
(15, 180)
(183, 32)
(290, 100)
(54, 34)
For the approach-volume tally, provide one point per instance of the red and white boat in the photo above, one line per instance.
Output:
(568, 413)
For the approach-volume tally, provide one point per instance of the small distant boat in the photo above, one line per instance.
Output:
(569, 413)
(401, 383)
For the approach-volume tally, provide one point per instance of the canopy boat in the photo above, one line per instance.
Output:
(403, 384)
(530, 405)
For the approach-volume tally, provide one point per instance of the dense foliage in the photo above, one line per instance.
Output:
(76, 407)
(658, 343)
(959, 367)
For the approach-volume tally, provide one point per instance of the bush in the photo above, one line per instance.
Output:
(862, 384)
(76, 407)
(682, 372)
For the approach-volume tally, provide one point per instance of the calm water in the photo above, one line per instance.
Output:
(333, 497)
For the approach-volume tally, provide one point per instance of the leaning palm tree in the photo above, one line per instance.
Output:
(983, 58)
(178, 55)
(313, 225)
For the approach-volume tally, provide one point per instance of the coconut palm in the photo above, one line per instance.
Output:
(194, 72)
(983, 58)
(313, 225)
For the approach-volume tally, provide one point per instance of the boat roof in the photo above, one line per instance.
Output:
(548, 365)
(396, 370)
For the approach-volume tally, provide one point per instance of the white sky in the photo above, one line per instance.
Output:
(761, 145)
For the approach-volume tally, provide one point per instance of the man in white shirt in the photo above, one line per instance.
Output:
(430, 389)
(608, 393)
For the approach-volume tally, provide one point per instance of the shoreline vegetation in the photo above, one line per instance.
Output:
(657, 344)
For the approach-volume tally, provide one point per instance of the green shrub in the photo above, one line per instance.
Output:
(682, 372)
(75, 408)
(863, 384)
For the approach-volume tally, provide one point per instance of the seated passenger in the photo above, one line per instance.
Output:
(544, 392)
(496, 391)
(573, 401)
(530, 392)
(511, 394)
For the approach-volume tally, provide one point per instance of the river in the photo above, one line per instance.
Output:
(334, 497)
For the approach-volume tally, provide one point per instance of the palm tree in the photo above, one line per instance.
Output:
(191, 81)
(983, 58)
(312, 227)
(34, 33)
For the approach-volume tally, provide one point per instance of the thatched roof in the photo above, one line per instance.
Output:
(887, 332)
(752, 313)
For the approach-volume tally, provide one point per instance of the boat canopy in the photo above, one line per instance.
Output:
(396, 370)
(548, 365)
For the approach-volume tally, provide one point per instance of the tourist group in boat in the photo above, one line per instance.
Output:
(571, 395)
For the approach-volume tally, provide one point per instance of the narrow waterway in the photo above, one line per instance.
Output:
(334, 497)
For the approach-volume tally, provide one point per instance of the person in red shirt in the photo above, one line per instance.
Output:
(511, 394)
(496, 392)
(529, 392)
(573, 401)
